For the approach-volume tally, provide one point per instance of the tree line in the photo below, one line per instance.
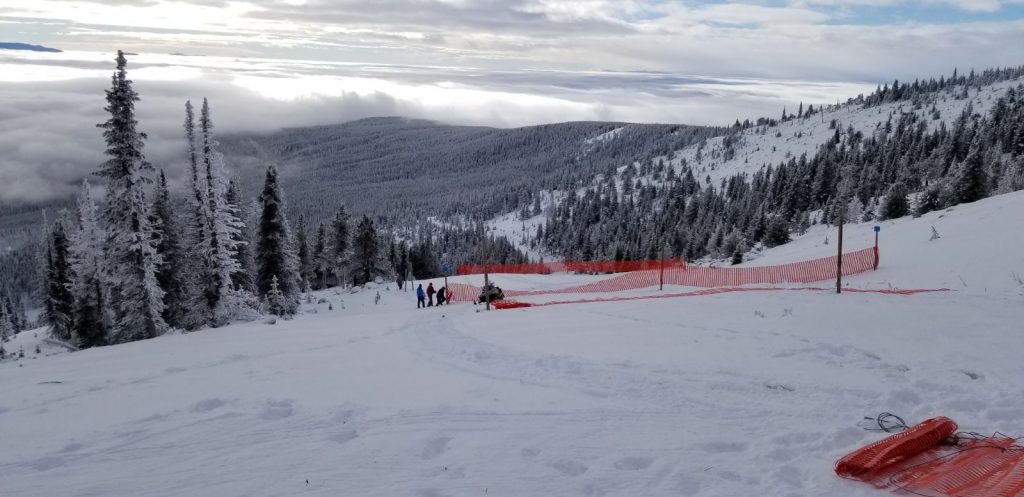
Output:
(902, 168)
(142, 261)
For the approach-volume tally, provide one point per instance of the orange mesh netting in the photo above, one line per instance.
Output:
(677, 273)
(571, 267)
(930, 460)
(514, 304)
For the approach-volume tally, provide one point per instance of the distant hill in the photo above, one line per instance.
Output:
(26, 46)
(407, 169)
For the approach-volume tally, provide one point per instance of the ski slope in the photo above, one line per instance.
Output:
(716, 396)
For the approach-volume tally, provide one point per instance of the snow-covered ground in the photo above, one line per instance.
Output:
(717, 396)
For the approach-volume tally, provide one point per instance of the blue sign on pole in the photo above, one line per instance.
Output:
(446, 270)
(878, 228)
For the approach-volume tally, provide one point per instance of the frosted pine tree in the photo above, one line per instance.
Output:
(277, 303)
(91, 314)
(131, 258)
(365, 249)
(340, 234)
(302, 252)
(275, 259)
(59, 301)
(6, 324)
(243, 279)
(321, 259)
(171, 275)
(971, 182)
(199, 310)
(224, 233)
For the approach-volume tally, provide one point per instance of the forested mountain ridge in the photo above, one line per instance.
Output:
(409, 169)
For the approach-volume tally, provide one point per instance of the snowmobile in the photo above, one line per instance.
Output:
(491, 292)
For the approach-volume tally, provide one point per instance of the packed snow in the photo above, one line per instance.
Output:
(715, 396)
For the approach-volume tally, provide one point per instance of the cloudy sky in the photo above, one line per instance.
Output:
(266, 64)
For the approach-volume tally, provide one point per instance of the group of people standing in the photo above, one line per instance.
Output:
(426, 298)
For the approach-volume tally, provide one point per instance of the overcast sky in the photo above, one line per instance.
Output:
(266, 64)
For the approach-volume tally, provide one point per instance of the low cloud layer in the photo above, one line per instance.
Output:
(267, 64)
(48, 138)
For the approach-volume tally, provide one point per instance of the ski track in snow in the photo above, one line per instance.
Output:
(718, 396)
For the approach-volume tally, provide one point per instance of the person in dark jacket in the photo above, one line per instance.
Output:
(430, 295)
(442, 295)
(420, 297)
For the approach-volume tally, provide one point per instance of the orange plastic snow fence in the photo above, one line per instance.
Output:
(930, 459)
(572, 267)
(635, 275)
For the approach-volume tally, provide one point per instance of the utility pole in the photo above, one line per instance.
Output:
(839, 257)
(487, 280)
(661, 277)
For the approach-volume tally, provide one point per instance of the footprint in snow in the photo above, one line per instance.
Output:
(47, 463)
(208, 405)
(723, 447)
(278, 409)
(633, 463)
(344, 436)
(530, 452)
(569, 468)
(435, 447)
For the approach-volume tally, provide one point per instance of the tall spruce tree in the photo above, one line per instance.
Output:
(91, 314)
(223, 234)
(243, 278)
(60, 302)
(6, 324)
(971, 182)
(130, 255)
(274, 260)
(340, 235)
(199, 310)
(321, 259)
(365, 249)
(172, 272)
(305, 261)
(895, 203)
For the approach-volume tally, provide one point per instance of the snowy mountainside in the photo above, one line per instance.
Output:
(763, 146)
(972, 248)
(760, 146)
(902, 155)
(716, 396)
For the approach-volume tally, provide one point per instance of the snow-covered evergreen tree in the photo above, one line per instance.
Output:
(321, 259)
(6, 324)
(171, 275)
(131, 258)
(199, 308)
(275, 259)
(60, 303)
(365, 249)
(340, 235)
(305, 259)
(895, 203)
(971, 182)
(243, 278)
(91, 314)
(223, 233)
(276, 302)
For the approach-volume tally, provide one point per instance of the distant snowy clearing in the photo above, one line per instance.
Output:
(720, 396)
